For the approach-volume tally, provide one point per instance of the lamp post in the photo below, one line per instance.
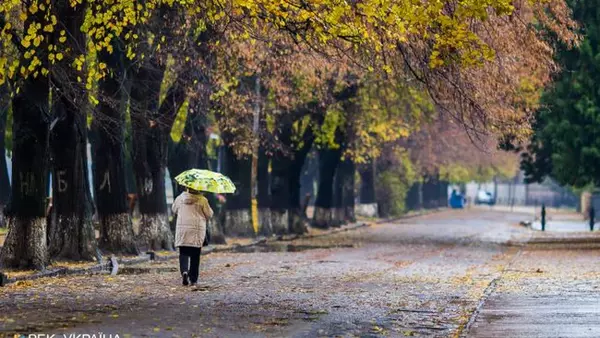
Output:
(255, 148)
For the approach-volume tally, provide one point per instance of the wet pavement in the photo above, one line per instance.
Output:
(544, 293)
(443, 275)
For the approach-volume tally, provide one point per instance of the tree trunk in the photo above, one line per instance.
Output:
(238, 220)
(443, 199)
(308, 179)
(348, 185)
(151, 126)
(72, 233)
(281, 172)
(368, 199)
(281, 182)
(428, 192)
(298, 220)
(324, 205)
(338, 196)
(4, 179)
(132, 196)
(25, 245)
(110, 187)
(286, 207)
(344, 193)
(420, 198)
(263, 196)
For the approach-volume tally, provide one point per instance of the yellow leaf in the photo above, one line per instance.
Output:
(33, 8)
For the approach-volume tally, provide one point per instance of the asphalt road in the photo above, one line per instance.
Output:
(443, 275)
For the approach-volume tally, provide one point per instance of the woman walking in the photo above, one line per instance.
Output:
(192, 213)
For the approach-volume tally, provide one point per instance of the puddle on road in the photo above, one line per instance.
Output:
(278, 247)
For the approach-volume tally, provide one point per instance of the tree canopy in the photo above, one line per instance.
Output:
(566, 144)
(452, 48)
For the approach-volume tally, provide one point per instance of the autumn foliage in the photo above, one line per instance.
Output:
(285, 77)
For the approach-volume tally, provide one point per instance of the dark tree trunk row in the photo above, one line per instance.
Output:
(25, 245)
(110, 185)
(335, 196)
(281, 179)
(297, 209)
(367, 197)
(367, 186)
(71, 234)
(329, 160)
(346, 172)
(4, 178)
(238, 220)
(151, 126)
(308, 178)
(414, 197)
(435, 192)
(287, 214)
(344, 183)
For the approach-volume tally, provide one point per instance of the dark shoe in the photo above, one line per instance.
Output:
(186, 279)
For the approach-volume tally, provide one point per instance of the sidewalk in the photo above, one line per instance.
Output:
(542, 293)
(565, 229)
(233, 244)
(111, 264)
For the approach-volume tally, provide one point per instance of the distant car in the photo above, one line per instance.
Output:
(484, 197)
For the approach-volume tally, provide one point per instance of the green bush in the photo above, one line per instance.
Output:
(392, 185)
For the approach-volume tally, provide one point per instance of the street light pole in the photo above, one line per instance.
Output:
(255, 149)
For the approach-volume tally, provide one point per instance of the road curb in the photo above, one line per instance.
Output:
(104, 267)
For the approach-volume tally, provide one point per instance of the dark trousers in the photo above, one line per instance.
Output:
(189, 261)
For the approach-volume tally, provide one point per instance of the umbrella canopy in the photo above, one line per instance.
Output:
(206, 180)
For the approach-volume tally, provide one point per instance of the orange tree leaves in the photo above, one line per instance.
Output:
(483, 62)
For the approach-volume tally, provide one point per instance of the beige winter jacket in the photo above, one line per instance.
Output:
(193, 211)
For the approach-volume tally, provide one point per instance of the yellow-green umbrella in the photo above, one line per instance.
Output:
(206, 180)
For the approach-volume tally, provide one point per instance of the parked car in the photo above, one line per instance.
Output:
(484, 197)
